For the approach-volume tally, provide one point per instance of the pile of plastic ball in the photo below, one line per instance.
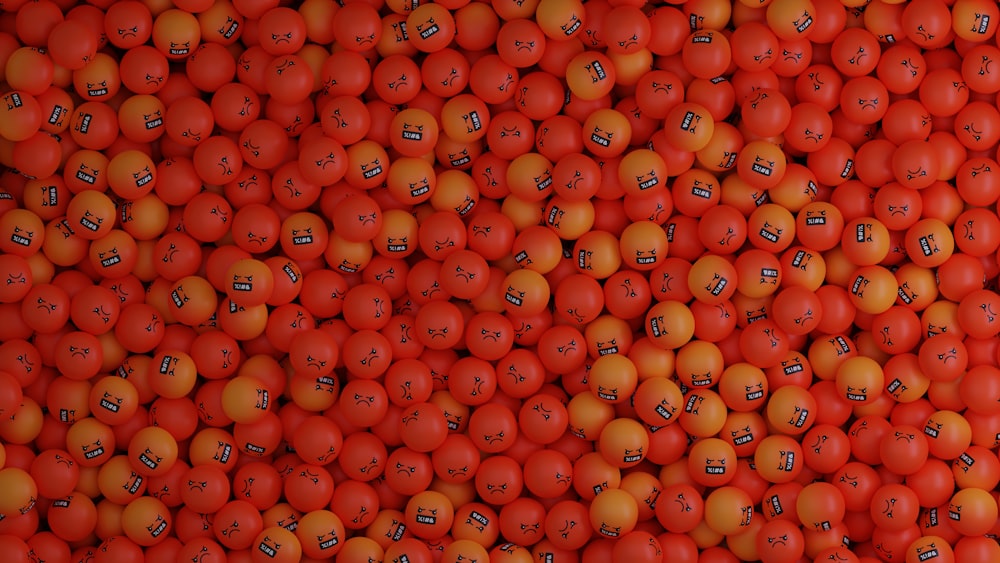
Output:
(515, 281)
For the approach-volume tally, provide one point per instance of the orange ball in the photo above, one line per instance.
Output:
(91, 214)
(607, 133)
(860, 380)
(972, 511)
(791, 410)
(762, 164)
(23, 232)
(321, 533)
(590, 75)
(704, 413)
(728, 510)
(560, 19)
(643, 245)
(152, 451)
(22, 116)
(929, 243)
(131, 174)
(712, 279)
(712, 462)
(658, 401)
(706, 54)
(948, 433)
(192, 300)
(935, 549)
(526, 293)
(872, 289)
(779, 458)
(689, 127)
(90, 442)
(147, 521)
(613, 513)
(974, 20)
(249, 282)
(246, 399)
(613, 378)
(176, 34)
(276, 544)
(172, 373)
(624, 442)
(820, 506)
(113, 400)
(21, 491)
(743, 386)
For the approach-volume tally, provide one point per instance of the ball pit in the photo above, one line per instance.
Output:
(519, 280)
